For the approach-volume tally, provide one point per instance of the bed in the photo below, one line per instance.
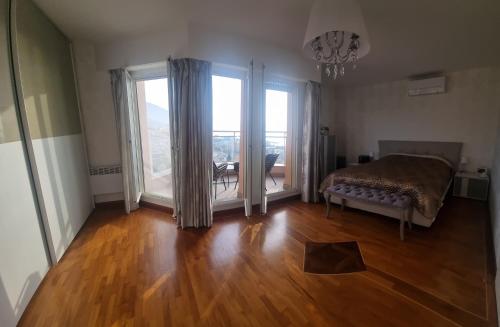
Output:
(421, 170)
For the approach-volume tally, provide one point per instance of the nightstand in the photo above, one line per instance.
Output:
(471, 185)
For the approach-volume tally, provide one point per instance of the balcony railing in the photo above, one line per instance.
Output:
(276, 143)
(226, 145)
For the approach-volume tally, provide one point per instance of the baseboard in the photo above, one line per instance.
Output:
(146, 204)
(216, 214)
(108, 197)
(286, 199)
(110, 204)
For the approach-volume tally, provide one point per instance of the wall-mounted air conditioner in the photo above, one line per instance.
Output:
(427, 86)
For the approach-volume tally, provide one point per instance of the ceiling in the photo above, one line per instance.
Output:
(407, 37)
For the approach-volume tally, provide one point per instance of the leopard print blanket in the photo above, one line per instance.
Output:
(423, 179)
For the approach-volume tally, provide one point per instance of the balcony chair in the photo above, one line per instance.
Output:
(269, 164)
(218, 172)
(236, 168)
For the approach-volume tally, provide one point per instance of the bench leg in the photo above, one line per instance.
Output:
(328, 205)
(402, 225)
(410, 217)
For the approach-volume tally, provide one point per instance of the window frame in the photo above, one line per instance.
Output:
(241, 74)
(140, 74)
(293, 88)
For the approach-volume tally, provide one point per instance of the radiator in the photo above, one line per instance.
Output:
(106, 179)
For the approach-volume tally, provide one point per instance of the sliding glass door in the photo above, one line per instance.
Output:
(228, 136)
(233, 122)
(152, 98)
(228, 99)
(281, 137)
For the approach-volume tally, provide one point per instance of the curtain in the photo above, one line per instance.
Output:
(190, 101)
(311, 143)
(127, 120)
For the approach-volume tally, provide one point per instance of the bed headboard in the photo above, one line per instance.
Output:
(451, 151)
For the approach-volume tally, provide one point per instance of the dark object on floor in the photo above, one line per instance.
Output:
(218, 172)
(364, 158)
(333, 258)
(270, 161)
(341, 162)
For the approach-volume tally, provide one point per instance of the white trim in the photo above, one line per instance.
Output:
(262, 121)
(228, 204)
(149, 71)
(230, 72)
(282, 195)
(108, 197)
(247, 173)
(221, 206)
(166, 202)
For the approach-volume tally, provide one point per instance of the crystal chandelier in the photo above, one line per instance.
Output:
(336, 35)
(336, 51)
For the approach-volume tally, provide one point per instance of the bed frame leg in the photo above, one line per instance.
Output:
(342, 204)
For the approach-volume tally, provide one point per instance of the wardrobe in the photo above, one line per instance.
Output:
(45, 196)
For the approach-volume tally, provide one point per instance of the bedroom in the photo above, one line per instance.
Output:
(133, 198)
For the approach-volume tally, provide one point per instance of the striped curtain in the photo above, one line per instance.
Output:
(311, 143)
(190, 101)
(127, 120)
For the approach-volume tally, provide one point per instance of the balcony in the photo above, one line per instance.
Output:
(226, 146)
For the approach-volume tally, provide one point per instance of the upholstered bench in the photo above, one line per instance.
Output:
(371, 195)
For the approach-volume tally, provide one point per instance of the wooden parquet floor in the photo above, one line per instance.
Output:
(140, 270)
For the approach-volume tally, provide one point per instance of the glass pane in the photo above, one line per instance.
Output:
(152, 97)
(227, 97)
(276, 140)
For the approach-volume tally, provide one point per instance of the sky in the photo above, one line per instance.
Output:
(157, 92)
(276, 110)
(226, 99)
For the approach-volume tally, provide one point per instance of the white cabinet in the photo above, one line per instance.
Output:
(471, 185)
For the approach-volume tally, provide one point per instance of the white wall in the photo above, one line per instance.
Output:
(237, 50)
(98, 117)
(204, 43)
(97, 107)
(468, 112)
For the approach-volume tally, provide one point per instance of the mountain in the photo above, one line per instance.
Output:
(157, 116)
